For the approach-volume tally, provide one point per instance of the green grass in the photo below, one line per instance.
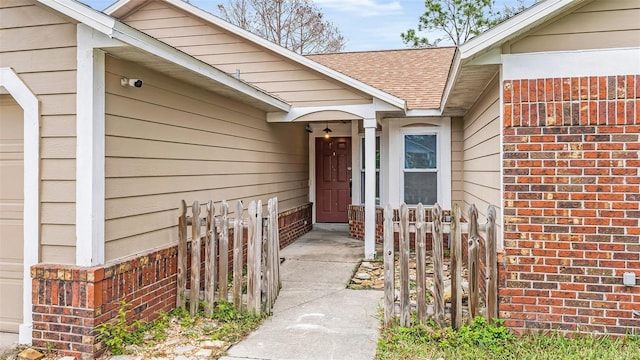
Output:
(481, 340)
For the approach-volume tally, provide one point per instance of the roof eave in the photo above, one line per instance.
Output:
(367, 89)
(514, 26)
(120, 31)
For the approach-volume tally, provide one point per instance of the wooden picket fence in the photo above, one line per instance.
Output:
(437, 227)
(212, 232)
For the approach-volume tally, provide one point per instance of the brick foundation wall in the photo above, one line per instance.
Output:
(69, 301)
(571, 208)
(294, 223)
(356, 225)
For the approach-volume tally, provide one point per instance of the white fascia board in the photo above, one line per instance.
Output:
(115, 29)
(367, 89)
(83, 14)
(530, 17)
(423, 113)
(147, 43)
(364, 111)
(600, 62)
(451, 80)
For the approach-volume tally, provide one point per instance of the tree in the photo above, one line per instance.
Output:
(458, 19)
(297, 25)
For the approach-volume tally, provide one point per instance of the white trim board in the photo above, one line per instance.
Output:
(601, 62)
(114, 29)
(31, 221)
(121, 7)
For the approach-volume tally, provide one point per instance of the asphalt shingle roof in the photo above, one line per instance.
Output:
(416, 75)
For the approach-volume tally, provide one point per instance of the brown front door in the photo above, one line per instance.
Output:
(333, 179)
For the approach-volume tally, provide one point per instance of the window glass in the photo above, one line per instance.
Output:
(362, 167)
(420, 169)
(421, 187)
(420, 152)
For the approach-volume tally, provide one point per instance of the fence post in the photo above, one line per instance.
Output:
(474, 294)
(277, 246)
(194, 297)
(269, 258)
(257, 290)
(405, 310)
(237, 257)
(223, 255)
(491, 265)
(456, 268)
(389, 267)
(209, 261)
(438, 270)
(253, 269)
(182, 256)
(421, 281)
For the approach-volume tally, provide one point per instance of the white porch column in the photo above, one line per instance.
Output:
(90, 146)
(370, 188)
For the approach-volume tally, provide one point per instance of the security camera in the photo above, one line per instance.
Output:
(135, 83)
(308, 128)
(131, 82)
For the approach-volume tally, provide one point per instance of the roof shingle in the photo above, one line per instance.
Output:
(416, 75)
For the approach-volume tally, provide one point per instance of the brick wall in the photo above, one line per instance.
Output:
(571, 203)
(69, 301)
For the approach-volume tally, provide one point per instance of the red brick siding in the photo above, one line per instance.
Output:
(571, 203)
(69, 301)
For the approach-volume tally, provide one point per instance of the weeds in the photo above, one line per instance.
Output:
(481, 340)
(117, 334)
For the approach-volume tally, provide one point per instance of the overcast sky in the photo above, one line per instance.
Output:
(366, 24)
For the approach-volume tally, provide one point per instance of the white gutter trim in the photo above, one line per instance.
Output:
(423, 113)
(368, 89)
(115, 29)
(535, 14)
(451, 80)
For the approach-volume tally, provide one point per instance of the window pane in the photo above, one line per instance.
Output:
(420, 152)
(421, 187)
(377, 187)
(364, 154)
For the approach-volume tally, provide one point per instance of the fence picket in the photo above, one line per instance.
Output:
(421, 249)
(437, 227)
(474, 293)
(251, 254)
(263, 273)
(209, 261)
(491, 265)
(223, 270)
(238, 244)
(389, 267)
(456, 268)
(194, 296)
(438, 271)
(405, 305)
(182, 256)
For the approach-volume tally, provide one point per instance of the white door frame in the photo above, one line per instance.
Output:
(10, 81)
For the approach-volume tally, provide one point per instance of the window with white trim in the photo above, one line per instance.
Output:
(362, 162)
(420, 167)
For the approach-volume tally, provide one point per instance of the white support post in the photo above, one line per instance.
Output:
(90, 146)
(370, 188)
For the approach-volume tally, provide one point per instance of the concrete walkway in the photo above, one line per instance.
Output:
(315, 316)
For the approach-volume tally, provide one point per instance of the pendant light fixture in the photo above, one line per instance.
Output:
(327, 131)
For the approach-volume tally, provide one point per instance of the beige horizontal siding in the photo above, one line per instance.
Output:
(599, 24)
(41, 48)
(230, 53)
(481, 153)
(457, 165)
(169, 141)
